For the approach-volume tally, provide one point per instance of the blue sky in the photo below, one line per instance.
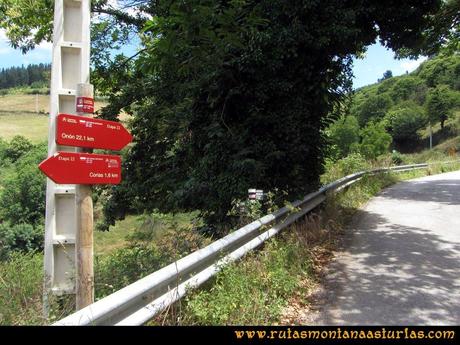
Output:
(367, 71)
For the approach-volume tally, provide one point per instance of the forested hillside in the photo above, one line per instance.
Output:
(32, 75)
(396, 112)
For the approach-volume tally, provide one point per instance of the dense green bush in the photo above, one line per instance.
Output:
(374, 108)
(397, 158)
(123, 267)
(441, 70)
(350, 164)
(343, 134)
(20, 237)
(375, 141)
(22, 198)
(17, 147)
(405, 122)
(405, 87)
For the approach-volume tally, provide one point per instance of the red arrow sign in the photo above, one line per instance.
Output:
(87, 132)
(82, 168)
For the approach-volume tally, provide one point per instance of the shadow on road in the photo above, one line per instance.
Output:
(441, 191)
(396, 275)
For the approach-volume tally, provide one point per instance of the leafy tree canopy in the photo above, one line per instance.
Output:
(229, 95)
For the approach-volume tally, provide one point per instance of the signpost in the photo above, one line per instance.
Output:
(70, 166)
(82, 168)
(91, 133)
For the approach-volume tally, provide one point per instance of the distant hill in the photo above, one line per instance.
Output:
(406, 105)
(371, 102)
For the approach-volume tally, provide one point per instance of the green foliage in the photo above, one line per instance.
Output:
(17, 147)
(374, 108)
(253, 291)
(407, 86)
(397, 158)
(405, 122)
(432, 86)
(123, 267)
(226, 95)
(375, 141)
(234, 94)
(21, 237)
(350, 164)
(22, 198)
(343, 134)
(442, 70)
(439, 104)
(21, 281)
(3, 148)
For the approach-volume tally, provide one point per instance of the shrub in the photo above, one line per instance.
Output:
(337, 169)
(343, 134)
(3, 148)
(397, 158)
(405, 86)
(17, 147)
(155, 245)
(20, 237)
(123, 267)
(22, 200)
(375, 141)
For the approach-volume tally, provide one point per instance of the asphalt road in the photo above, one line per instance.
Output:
(400, 264)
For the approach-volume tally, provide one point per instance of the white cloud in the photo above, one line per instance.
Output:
(411, 65)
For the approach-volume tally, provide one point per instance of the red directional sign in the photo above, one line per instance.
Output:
(82, 168)
(87, 132)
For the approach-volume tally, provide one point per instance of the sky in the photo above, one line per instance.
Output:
(377, 60)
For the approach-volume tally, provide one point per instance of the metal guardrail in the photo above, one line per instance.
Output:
(141, 301)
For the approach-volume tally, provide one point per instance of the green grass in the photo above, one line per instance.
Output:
(106, 242)
(21, 281)
(33, 127)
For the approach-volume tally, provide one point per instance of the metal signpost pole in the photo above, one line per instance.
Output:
(70, 67)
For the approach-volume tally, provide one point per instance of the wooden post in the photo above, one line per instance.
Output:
(84, 235)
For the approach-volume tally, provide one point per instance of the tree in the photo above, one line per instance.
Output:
(439, 105)
(230, 95)
(375, 141)
(374, 108)
(442, 33)
(343, 134)
(386, 75)
(405, 87)
(405, 122)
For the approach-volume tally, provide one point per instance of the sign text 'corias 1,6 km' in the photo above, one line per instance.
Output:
(83, 131)
(82, 168)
